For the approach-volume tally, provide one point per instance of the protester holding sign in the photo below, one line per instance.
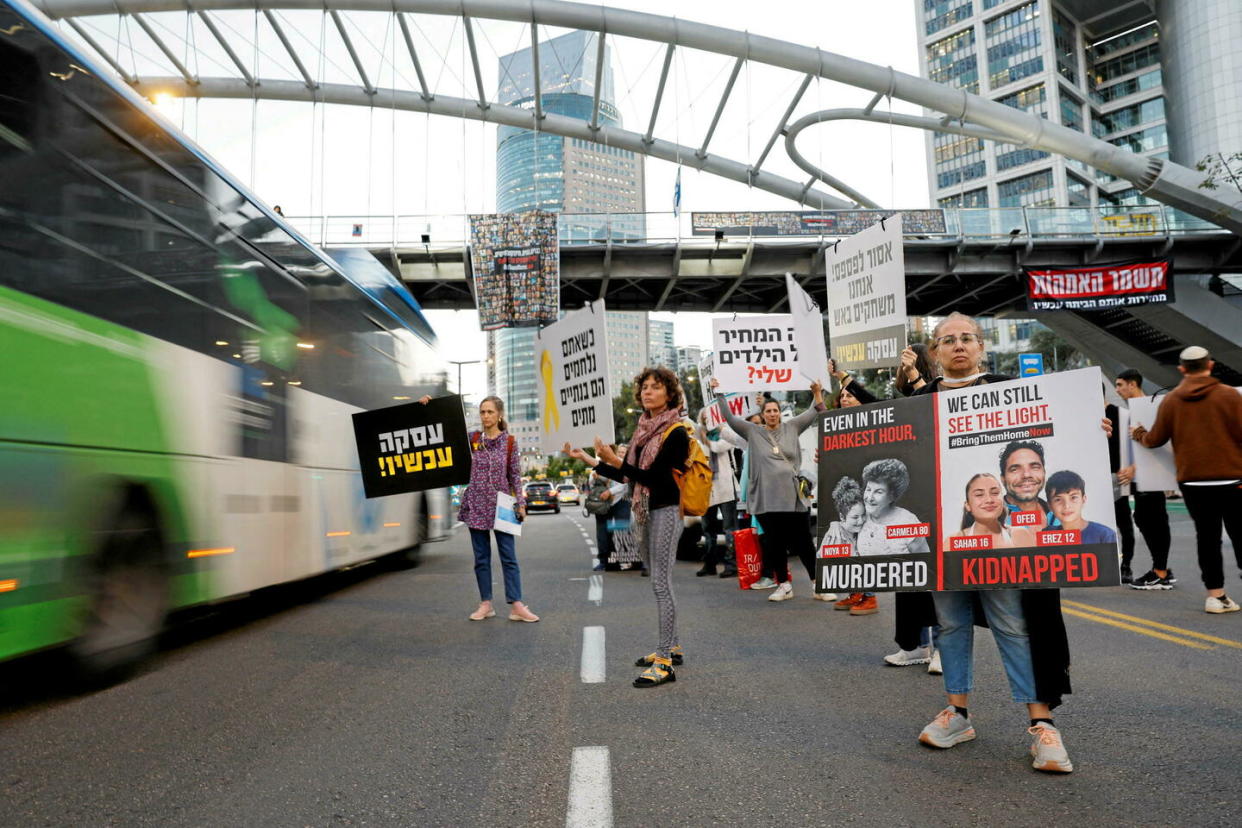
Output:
(1203, 418)
(776, 491)
(1027, 624)
(659, 448)
(494, 470)
(1150, 514)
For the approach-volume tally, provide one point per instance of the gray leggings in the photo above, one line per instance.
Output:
(658, 548)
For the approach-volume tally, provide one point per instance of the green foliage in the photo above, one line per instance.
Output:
(625, 412)
(1221, 169)
(1059, 355)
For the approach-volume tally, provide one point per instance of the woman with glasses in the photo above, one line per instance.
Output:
(1027, 624)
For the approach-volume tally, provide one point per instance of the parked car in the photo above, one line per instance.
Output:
(568, 493)
(541, 495)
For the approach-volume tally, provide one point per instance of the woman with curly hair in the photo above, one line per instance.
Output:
(658, 448)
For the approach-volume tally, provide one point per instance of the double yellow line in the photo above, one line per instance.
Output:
(1177, 635)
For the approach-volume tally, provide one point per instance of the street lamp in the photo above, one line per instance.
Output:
(460, 363)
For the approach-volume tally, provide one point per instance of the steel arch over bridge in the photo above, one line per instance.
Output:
(1164, 181)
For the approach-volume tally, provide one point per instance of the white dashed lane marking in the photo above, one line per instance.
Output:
(590, 789)
(593, 669)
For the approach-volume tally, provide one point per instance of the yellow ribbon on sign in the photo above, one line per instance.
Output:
(550, 411)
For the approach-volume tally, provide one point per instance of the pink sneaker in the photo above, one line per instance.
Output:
(520, 612)
(483, 612)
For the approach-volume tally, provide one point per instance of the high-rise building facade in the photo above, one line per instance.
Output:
(588, 184)
(1097, 66)
(661, 348)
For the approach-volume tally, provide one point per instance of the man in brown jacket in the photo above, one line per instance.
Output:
(1203, 418)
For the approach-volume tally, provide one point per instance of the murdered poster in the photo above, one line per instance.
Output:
(995, 486)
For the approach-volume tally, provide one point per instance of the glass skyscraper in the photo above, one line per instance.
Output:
(1090, 65)
(588, 184)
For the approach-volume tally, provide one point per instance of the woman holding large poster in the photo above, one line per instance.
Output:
(1027, 624)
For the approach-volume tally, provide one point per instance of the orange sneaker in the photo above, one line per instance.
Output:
(846, 603)
(867, 606)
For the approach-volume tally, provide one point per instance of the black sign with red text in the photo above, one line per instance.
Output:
(995, 486)
(1099, 287)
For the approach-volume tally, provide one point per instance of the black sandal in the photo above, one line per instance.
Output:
(660, 672)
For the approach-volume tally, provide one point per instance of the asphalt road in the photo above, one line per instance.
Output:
(368, 698)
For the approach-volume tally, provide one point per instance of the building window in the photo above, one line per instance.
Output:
(1079, 192)
(1134, 115)
(952, 61)
(1071, 111)
(970, 198)
(1127, 63)
(941, 14)
(1129, 86)
(1065, 38)
(1013, 45)
(1144, 140)
(1034, 190)
(958, 158)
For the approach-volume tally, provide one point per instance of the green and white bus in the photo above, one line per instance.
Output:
(178, 370)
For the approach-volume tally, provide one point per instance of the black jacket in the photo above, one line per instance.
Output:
(659, 478)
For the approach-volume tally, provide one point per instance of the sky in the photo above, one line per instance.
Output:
(365, 165)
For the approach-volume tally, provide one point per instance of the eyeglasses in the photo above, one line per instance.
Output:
(952, 339)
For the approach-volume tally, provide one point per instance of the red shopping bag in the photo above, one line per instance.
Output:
(749, 557)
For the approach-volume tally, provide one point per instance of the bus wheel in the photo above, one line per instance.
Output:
(127, 589)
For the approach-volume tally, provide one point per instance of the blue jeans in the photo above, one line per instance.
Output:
(1003, 610)
(483, 564)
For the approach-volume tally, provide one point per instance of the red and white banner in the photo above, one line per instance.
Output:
(1099, 286)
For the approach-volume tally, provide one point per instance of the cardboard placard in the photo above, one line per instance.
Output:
(757, 353)
(412, 447)
(995, 486)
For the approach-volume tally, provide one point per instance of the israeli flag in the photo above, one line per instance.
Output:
(677, 195)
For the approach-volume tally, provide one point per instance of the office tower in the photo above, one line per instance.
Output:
(588, 184)
(1088, 65)
(661, 349)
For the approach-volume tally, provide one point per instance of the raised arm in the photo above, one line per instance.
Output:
(803, 421)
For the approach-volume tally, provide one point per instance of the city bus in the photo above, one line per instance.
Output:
(178, 369)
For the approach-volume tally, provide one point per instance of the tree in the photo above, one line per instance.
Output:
(625, 411)
(1059, 355)
(1221, 169)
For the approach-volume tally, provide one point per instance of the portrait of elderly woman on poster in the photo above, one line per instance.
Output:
(884, 483)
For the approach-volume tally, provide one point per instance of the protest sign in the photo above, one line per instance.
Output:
(575, 402)
(808, 325)
(757, 353)
(810, 222)
(1097, 287)
(867, 297)
(1155, 470)
(996, 486)
(412, 447)
(741, 404)
(516, 259)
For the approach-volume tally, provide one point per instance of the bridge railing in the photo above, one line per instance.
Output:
(450, 231)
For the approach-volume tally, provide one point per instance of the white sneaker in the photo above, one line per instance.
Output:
(764, 583)
(949, 728)
(933, 666)
(1047, 751)
(1222, 604)
(783, 592)
(905, 658)
(825, 596)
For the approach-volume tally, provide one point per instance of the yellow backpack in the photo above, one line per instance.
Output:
(695, 480)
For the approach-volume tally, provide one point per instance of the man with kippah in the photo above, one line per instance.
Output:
(1203, 418)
